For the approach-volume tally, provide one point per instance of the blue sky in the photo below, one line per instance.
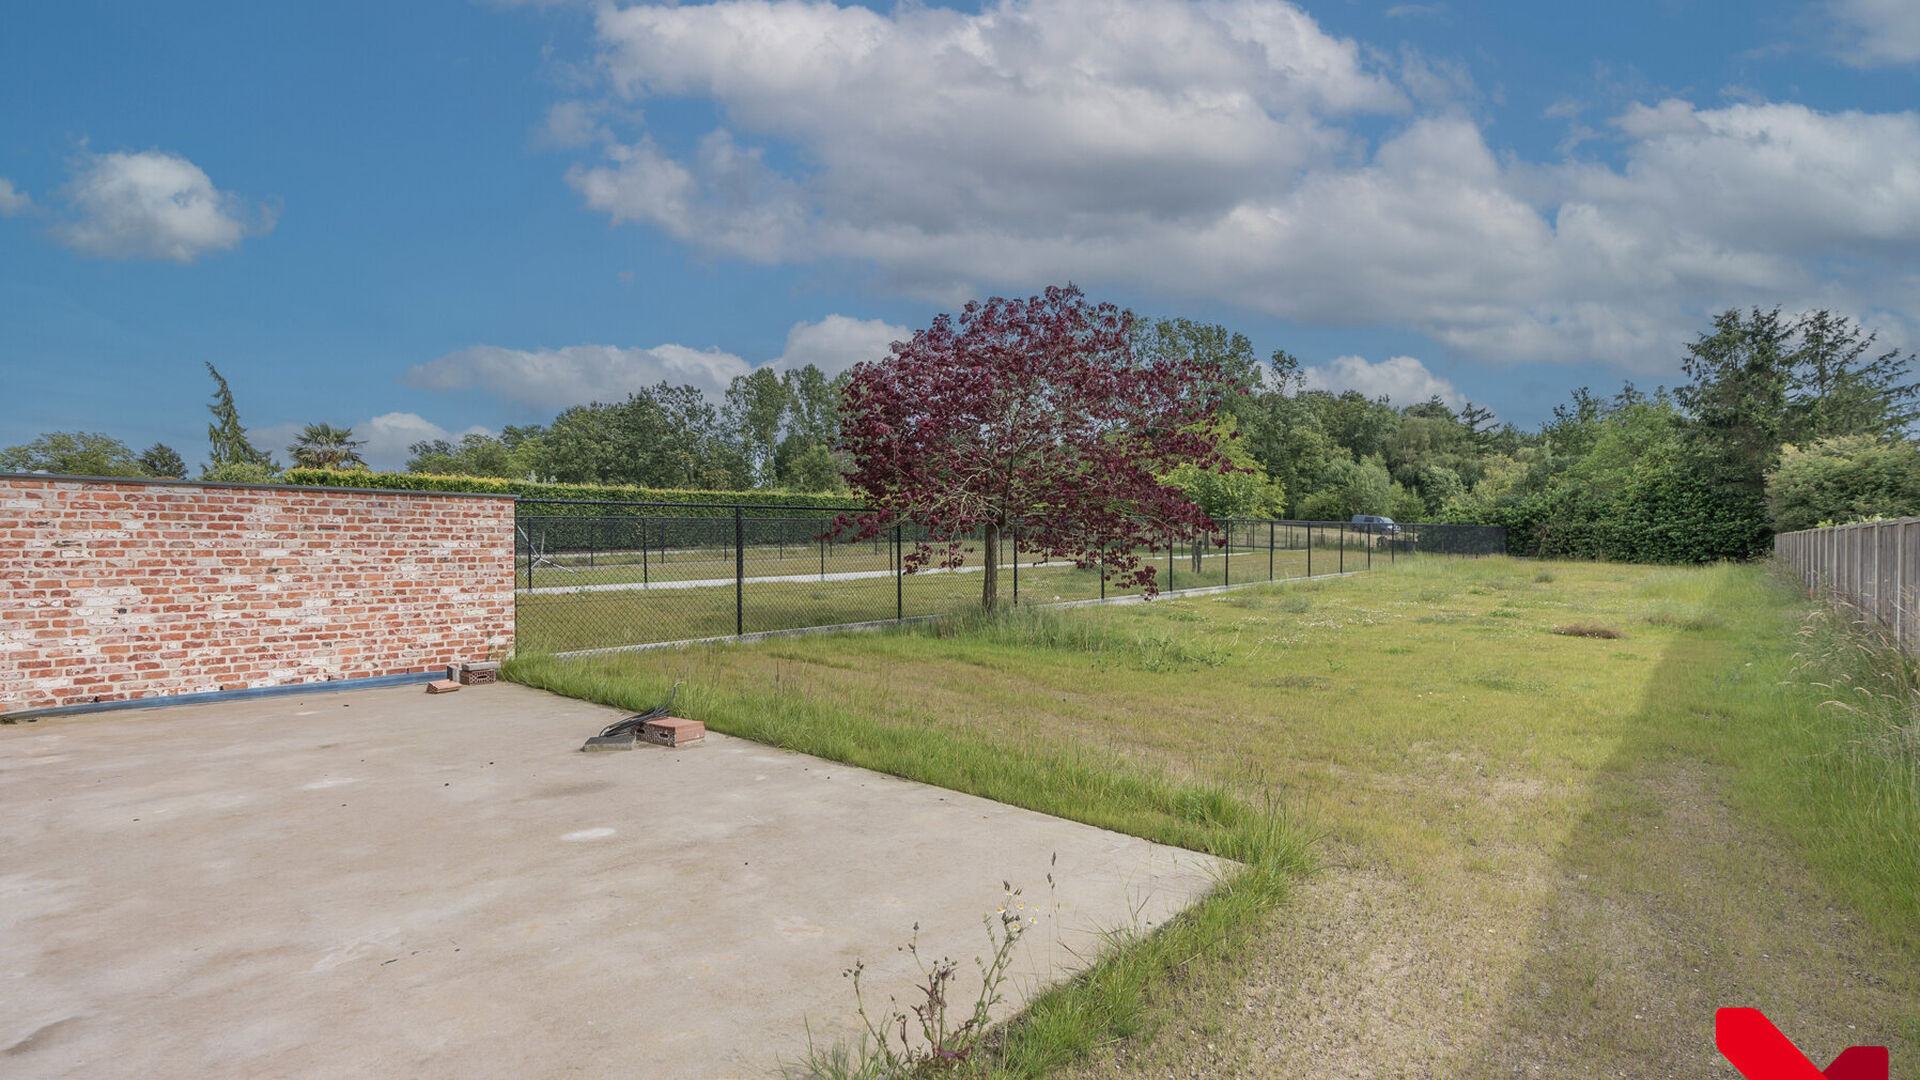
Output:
(433, 217)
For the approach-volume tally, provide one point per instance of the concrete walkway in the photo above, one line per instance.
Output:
(388, 883)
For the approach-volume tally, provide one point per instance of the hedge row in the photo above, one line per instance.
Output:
(530, 490)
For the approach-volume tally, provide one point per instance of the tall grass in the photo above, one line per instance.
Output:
(1864, 781)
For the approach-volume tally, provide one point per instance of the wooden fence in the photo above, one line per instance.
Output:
(1873, 566)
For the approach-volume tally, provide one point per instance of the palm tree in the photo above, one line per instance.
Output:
(323, 446)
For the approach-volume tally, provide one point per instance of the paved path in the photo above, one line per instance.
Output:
(387, 883)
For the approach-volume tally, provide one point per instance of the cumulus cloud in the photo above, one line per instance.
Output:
(575, 374)
(1402, 379)
(389, 435)
(556, 378)
(1212, 150)
(838, 342)
(153, 205)
(1875, 33)
(12, 201)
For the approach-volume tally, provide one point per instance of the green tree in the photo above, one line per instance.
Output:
(241, 472)
(1283, 429)
(1836, 388)
(1736, 401)
(1844, 478)
(227, 438)
(757, 402)
(1242, 490)
(323, 446)
(1206, 343)
(1439, 485)
(160, 461)
(476, 454)
(72, 453)
(1364, 426)
(663, 436)
(1349, 488)
(809, 466)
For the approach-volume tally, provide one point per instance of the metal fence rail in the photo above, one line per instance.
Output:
(1873, 567)
(606, 575)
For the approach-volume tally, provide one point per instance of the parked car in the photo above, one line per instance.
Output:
(1374, 523)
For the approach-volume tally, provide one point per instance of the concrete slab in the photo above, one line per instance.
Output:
(386, 883)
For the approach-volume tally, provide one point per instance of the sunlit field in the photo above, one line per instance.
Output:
(1560, 811)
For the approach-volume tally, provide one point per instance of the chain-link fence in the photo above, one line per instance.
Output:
(606, 575)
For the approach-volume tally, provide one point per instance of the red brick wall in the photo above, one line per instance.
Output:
(120, 590)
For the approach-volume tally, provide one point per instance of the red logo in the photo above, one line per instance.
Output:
(1760, 1052)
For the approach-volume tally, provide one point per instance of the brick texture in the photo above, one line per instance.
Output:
(113, 590)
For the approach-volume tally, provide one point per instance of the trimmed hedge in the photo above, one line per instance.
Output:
(532, 491)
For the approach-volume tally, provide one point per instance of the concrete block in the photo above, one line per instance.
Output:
(674, 731)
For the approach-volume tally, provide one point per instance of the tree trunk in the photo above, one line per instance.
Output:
(990, 578)
(1199, 547)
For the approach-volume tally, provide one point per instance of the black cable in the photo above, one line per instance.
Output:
(633, 724)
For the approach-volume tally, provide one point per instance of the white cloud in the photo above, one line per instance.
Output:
(153, 205)
(1878, 32)
(550, 379)
(1208, 150)
(1032, 114)
(838, 342)
(572, 124)
(576, 374)
(389, 435)
(1402, 379)
(12, 201)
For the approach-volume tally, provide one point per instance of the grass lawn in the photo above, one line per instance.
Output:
(580, 611)
(1537, 854)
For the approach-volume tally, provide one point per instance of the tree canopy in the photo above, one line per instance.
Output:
(73, 453)
(229, 453)
(323, 446)
(1033, 415)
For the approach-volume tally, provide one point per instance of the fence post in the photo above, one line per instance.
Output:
(739, 573)
(1269, 551)
(1016, 568)
(899, 578)
(1368, 540)
(1103, 575)
(823, 555)
(1309, 549)
(1226, 574)
(1170, 557)
(646, 577)
(1343, 547)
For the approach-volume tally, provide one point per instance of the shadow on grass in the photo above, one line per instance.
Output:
(1736, 851)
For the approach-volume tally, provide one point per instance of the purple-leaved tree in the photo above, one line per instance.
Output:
(1032, 416)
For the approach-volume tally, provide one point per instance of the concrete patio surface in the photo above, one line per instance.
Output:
(394, 884)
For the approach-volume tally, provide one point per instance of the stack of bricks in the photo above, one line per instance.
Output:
(113, 590)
